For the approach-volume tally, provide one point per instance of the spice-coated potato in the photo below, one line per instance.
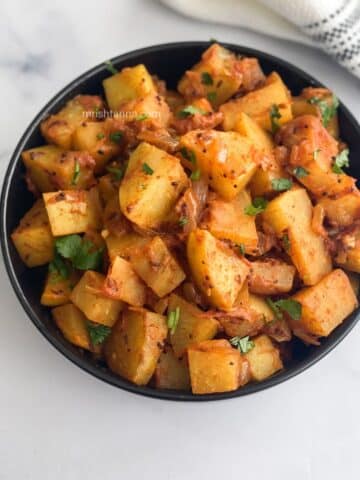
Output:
(264, 359)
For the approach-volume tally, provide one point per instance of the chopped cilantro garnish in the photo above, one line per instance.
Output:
(116, 137)
(80, 252)
(292, 307)
(183, 221)
(257, 206)
(141, 117)
(275, 115)
(300, 172)
(98, 333)
(147, 169)
(211, 96)
(206, 78)
(195, 175)
(100, 136)
(286, 242)
(327, 111)
(116, 172)
(189, 111)
(111, 67)
(341, 160)
(244, 344)
(76, 173)
(241, 248)
(188, 155)
(281, 184)
(173, 319)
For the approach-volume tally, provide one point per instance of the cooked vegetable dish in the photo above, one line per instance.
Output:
(193, 237)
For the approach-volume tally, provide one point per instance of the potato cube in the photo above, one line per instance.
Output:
(258, 103)
(227, 159)
(264, 359)
(108, 187)
(51, 168)
(152, 184)
(32, 238)
(218, 272)
(58, 129)
(88, 297)
(151, 112)
(135, 344)
(171, 373)
(155, 264)
(216, 76)
(342, 211)
(192, 326)
(57, 290)
(122, 283)
(73, 211)
(73, 325)
(291, 213)
(130, 83)
(125, 245)
(327, 304)
(260, 306)
(216, 367)
(271, 277)
(348, 254)
(228, 221)
(261, 184)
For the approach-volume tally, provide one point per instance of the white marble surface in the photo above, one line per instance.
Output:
(57, 422)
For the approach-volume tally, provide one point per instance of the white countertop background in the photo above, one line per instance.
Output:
(59, 423)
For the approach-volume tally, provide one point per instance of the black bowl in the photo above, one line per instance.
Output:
(168, 61)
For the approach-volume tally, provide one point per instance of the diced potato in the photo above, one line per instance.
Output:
(125, 245)
(114, 221)
(218, 272)
(342, 211)
(135, 344)
(258, 103)
(171, 373)
(51, 168)
(348, 255)
(192, 326)
(155, 264)
(249, 323)
(73, 211)
(250, 129)
(227, 159)
(122, 283)
(291, 213)
(130, 83)
(228, 221)
(327, 304)
(271, 277)
(87, 296)
(108, 187)
(100, 139)
(59, 128)
(150, 112)
(73, 325)
(32, 238)
(152, 184)
(260, 306)
(216, 367)
(219, 65)
(57, 290)
(261, 184)
(264, 359)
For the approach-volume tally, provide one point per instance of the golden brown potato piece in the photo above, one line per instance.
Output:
(114, 221)
(327, 304)
(108, 186)
(147, 113)
(227, 159)
(135, 344)
(216, 367)
(73, 211)
(122, 283)
(258, 104)
(250, 129)
(155, 264)
(57, 290)
(129, 84)
(73, 325)
(216, 76)
(51, 168)
(261, 184)
(260, 306)
(343, 211)
(192, 327)
(290, 214)
(33, 239)
(87, 296)
(125, 245)
(152, 184)
(59, 128)
(271, 277)
(348, 251)
(264, 359)
(218, 272)
(228, 221)
(171, 373)
(203, 117)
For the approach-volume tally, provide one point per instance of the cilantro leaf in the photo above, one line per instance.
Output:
(300, 172)
(281, 184)
(98, 333)
(244, 344)
(341, 160)
(100, 135)
(58, 268)
(141, 117)
(116, 136)
(327, 111)
(275, 116)
(68, 246)
(286, 242)
(292, 307)
(195, 175)
(211, 96)
(257, 206)
(241, 248)
(82, 253)
(190, 110)
(76, 173)
(188, 155)
(147, 169)
(173, 320)
(117, 173)
(110, 67)
(206, 78)
(183, 221)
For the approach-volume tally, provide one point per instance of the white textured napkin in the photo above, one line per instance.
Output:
(332, 25)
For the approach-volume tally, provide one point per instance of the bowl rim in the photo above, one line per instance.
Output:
(93, 369)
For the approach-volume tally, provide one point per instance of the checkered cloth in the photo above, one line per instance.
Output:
(332, 25)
